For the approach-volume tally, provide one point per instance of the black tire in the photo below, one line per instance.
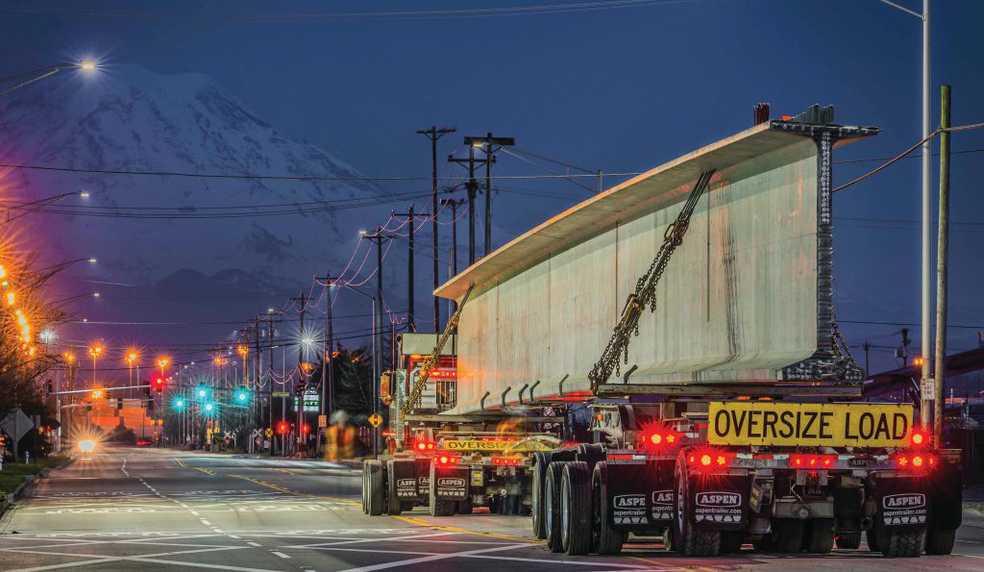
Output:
(536, 494)
(377, 493)
(607, 539)
(904, 542)
(551, 506)
(787, 535)
(365, 487)
(871, 535)
(436, 506)
(940, 541)
(731, 541)
(686, 538)
(848, 540)
(575, 509)
(392, 501)
(464, 506)
(819, 536)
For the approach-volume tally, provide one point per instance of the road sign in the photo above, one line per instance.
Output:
(375, 419)
(322, 421)
(281, 394)
(269, 432)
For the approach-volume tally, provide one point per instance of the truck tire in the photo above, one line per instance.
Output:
(903, 542)
(731, 541)
(438, 507)
(365, 487)
(819, 537)
(551, 505)
(536, 494)
(940, 541)
(591, 453)
(787, 535)
(607, 540)
(376, 494)
(848, 540)
(685, 537)
(575, 509)
(392, 501)
(871, 535)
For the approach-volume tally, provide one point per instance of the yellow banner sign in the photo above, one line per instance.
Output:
(494, 445)
(809, 424)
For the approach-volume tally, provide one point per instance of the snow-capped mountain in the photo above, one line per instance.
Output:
(129, 118)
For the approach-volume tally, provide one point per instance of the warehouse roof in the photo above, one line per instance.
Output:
(640, 195)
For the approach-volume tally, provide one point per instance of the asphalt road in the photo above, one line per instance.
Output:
(149, 509)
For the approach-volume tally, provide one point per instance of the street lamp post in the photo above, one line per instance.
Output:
(96, 351)
(924, 331)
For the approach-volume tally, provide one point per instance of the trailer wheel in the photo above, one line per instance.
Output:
(848, 540)
(731, 541)
(819, 537)
(606, 540)
(903, 542)
(392, 501)
(940, 541)
(575, 509)
(365, 487)
(685, 537)
(437, 506)
(539, 472)
(871, 535)
(787, 535)
(376, 494)
(551, 505)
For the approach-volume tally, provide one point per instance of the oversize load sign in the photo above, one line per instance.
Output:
(494, 445)
(809, 424)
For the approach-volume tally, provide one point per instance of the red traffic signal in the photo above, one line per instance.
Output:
(282, 427)
(158, 384)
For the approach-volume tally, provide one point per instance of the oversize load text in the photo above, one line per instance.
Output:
(809, 424)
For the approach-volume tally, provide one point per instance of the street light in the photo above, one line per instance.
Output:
(87, 66)
(924, 234)
(95, 350)
(131, 358)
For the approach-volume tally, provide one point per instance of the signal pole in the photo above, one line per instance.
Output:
(433, 134)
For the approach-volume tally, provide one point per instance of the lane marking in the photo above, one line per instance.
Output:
(178, 564)
(459, 530)
(254, 544)
(578, 562)
(280, 554)
(422, 559)
(206, 523)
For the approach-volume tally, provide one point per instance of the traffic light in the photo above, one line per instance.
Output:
(209, 409)
(158, 384)
(202, 392)
(97, 393)
(119, 403)
(241, 395)
(179, 404)
(282, 427)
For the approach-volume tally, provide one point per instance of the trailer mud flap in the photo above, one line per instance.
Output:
(405, 479)
(641, 496)
(902, 502)
(720, 501)
(451, 484)
(423, 477)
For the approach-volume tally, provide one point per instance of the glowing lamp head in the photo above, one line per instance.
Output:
(209, 407)
(87, 445)
(89, 65)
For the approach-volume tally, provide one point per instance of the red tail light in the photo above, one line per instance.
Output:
(446, 460)
(919, 438)
(658, 437)
(812, 462)
(917, 462)
(425, 445)
(710, 459)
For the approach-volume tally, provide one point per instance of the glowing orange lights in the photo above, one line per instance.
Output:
(131, 357)
(96, 350)
(69, 357)
(11, 298)
(163, 362)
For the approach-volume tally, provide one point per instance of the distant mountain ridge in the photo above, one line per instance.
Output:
(134, 119)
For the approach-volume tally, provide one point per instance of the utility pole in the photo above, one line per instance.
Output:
(433, 134)
(410, 214)
(489, 143)
(302, 300)
(256, 409)
(273, 437)
(327, 360)
(454, 204)
(378, 238)
(472, 186)
(942, 254)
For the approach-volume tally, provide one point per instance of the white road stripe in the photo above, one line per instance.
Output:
(254, 544)
(280, 554)
(545, 561)
(431, 558)
(183, 563)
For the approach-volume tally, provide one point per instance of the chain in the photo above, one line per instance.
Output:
(617, 349)
(431, 362)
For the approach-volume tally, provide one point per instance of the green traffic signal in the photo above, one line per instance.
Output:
(179, 403)
(242, 395)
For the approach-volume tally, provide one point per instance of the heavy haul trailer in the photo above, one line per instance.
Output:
(449, 464)
(738, 328)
